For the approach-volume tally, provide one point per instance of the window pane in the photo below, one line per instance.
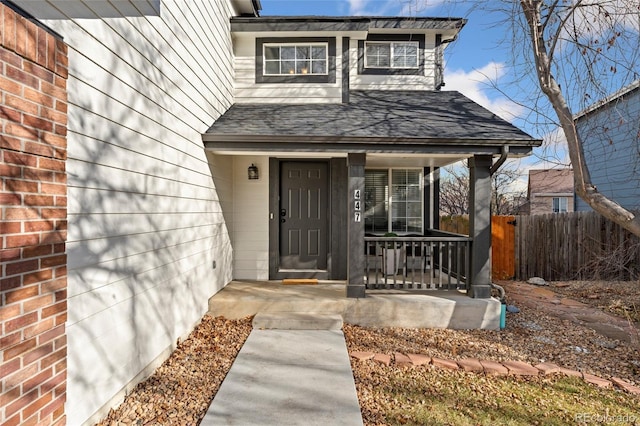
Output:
(378, 54)
(288, 67)
(375, 201)
(414, 225)
(288, 52)
(272, 67)
(414, 210)
(302, 67)
(405, 55)
(399, 177)
(414, 193)
(399, 62)
(302, 52)
(319, 67)
(272, 52)
(319, 52)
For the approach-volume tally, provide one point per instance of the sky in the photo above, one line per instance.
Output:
(476, 62)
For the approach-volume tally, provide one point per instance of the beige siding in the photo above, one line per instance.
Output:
(246, 89)
(251, 219)
(543, 204)
(145, 219)
(393, 82)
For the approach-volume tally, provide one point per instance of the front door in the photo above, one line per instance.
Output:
(304, 205)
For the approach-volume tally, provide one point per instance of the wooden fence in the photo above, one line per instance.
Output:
(579, 245)
(559, 246)
(503, 259)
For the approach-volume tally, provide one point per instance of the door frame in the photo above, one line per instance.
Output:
(337, 221)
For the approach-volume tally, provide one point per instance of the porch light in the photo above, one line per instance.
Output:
(253, 172)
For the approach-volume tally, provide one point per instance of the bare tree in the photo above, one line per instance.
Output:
(582, 51)
(584, 48)
(454, 191)
(506, 198)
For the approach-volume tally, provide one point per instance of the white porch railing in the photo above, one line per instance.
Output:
(439, 261)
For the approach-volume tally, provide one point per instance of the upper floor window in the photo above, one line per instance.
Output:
(560, 204)
(391, 54)
(295, 59)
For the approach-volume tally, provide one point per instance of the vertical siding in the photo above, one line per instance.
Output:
(145, 220)
(611, 138)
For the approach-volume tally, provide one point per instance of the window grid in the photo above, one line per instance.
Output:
(391, 55)
(393, 201)
(295, 59)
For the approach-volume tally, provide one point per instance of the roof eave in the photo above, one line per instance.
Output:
(366, 144)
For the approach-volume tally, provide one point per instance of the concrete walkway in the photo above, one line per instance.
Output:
(289, 376)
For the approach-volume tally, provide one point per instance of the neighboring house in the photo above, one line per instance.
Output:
(610, 135)
(197, 145)
(550, 191)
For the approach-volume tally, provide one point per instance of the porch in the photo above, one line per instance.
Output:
(381, 308)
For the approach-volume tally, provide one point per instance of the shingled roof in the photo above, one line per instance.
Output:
(370, 117)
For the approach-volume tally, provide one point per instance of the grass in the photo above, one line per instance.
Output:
(433, 396)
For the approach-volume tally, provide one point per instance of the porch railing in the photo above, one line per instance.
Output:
(437, 261)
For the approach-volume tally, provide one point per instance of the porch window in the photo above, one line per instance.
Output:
(560, 204)
(391, 55)
(295, 59)
(393, 201)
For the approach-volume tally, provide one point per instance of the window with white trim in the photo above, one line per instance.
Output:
(393, 201)
(391, 54)
(295, 59)
(560, 204)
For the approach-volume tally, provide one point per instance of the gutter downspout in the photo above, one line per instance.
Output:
(501, 160)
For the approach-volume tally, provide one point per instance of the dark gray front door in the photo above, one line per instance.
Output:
(303, 215)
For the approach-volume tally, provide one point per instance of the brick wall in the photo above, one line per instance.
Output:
(33, 307)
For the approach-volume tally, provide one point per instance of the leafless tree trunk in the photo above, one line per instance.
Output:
(540, 16)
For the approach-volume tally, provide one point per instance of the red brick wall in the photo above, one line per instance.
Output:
(33, 220)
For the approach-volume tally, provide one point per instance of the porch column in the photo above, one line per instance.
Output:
(355, 231)
(480, 225)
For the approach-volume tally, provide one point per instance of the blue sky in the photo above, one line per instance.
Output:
(477, 58)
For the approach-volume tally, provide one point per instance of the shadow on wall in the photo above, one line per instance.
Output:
(145, 222)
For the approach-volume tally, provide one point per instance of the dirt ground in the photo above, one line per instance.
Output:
(558, 323)
(621, 298)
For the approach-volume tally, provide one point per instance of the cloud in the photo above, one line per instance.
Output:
(474, 85)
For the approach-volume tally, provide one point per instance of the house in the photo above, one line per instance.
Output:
(550, 191)
(610, 134)
(152, 153)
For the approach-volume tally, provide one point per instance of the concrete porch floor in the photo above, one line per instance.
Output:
(381, 308)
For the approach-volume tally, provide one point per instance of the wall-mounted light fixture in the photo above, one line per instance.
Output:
(253, 172)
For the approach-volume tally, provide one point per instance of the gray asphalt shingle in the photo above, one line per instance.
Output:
(438, 115)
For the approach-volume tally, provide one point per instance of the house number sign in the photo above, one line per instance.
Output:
(357, 207)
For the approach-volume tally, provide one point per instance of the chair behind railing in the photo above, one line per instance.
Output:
(436, 262)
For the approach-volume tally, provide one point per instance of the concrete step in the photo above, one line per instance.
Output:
(297, 321)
